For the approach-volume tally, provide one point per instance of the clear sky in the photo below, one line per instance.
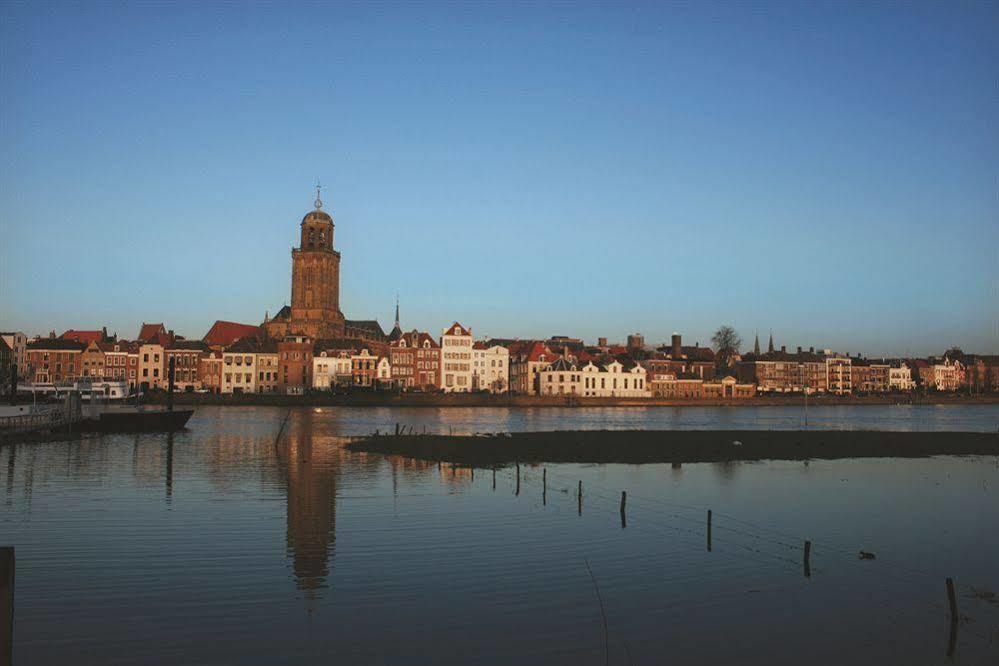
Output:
(826, 170)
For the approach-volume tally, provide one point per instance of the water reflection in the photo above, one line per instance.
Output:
(291, 547)
(310, 461)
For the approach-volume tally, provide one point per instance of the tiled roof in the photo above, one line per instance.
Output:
(148, 331)
(224, 333)
(188, 345)
(368, 327)
(83, 336)
(415, 339)
(457, 329)
(561, 364)
(57, 344)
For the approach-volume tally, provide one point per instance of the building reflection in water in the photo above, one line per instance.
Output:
(310, 462)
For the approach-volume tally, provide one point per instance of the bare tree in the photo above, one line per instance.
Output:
(727, 343)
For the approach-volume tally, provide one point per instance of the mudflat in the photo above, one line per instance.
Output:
(679, 446)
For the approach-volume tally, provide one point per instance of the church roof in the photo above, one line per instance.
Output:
(369, 327)
(317, 215)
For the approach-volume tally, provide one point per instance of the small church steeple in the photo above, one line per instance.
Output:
(770, 347)
(756, 344)
(397, 329)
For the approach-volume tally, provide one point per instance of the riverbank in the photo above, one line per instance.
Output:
(489, 400)
(676, 446)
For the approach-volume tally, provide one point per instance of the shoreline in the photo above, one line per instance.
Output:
(675, 446)
(478, 400)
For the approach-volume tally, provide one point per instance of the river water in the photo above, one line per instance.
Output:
(223, 544)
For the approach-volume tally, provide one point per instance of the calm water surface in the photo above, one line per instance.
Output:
(221, 545)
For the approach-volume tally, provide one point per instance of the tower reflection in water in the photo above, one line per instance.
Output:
(310, 462)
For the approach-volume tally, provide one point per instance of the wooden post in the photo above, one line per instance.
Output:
(808, 559)
(518, 480)
(952, 600)
(709, 530)
(396, 429)
(494, 478)
(170, 378)
(624, 500)
(6, 605)
(579, 499)
(473, 474)
(544, 480)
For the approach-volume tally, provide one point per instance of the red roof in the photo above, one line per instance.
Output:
(83, 336)
(536, 350)
(225, 333)
(149, 331)
(457, 329)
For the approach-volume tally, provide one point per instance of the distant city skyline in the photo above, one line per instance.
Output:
(826, 171)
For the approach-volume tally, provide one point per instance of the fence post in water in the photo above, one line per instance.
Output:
(709, 530)
(579, 499)
(7, 605)
(808, 559)
(518, 480)
(952, 600)
(171, 373)
(494, 478)
(624, 500)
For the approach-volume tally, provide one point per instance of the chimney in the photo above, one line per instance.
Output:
(676, 346)
(783, 349)
(799, 349)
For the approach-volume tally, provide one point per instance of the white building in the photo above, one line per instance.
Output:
(456, 357)
(900, 378)
(608, 380)
(490, 368)
(238, 370)
(331, 367)
(944, 376)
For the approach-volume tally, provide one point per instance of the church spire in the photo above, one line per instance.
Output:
(770, 347)
(397, 310)
(756, 344)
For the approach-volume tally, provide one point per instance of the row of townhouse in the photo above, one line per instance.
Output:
(413, 361)
(239, 358)
(823, 372)
(615, 378)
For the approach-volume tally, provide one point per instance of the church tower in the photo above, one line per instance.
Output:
(315, 282)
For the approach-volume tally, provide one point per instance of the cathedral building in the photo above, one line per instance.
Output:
(315, 283)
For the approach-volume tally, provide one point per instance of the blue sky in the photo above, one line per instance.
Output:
(826, 170)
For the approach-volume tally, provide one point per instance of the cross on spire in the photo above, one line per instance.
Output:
(319, 200)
